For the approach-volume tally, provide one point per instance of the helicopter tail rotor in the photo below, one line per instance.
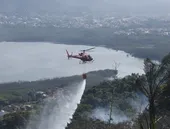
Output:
(68, 55)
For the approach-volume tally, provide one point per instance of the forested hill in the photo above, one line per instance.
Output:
(123, 95)
(16, 90)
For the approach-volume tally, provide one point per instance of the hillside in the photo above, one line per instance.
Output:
(14, 91)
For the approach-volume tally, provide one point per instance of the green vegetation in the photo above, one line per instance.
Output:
(18, 91)
(96, 124)
(153, 83)
(101, 95)
(16, 120)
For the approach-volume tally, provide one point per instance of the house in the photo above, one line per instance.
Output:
(2, 113)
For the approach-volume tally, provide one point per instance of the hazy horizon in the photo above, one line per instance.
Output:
(96, 7)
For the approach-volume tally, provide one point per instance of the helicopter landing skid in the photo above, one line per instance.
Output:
(85, 62)
(82, 62)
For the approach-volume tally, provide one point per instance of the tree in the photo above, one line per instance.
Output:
(15, 120)
(155, 76)
(116, 65)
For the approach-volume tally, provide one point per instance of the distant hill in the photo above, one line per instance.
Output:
(12, 90)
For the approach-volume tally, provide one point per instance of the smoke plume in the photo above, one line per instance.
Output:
(103, 115)
(138, 104)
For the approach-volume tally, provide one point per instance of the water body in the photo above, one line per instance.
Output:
(29, 61)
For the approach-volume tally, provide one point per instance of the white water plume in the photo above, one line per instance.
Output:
(58, 111)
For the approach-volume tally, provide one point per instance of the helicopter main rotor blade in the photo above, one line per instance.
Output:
(88, 49)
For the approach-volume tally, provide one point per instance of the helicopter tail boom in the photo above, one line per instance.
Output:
(68, 55)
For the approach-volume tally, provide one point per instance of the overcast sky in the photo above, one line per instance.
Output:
(123, 6)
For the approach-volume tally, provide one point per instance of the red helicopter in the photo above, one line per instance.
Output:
(84, 58)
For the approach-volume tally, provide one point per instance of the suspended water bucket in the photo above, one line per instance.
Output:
(84, 76)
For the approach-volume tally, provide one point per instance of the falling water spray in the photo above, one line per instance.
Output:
(58, 111)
